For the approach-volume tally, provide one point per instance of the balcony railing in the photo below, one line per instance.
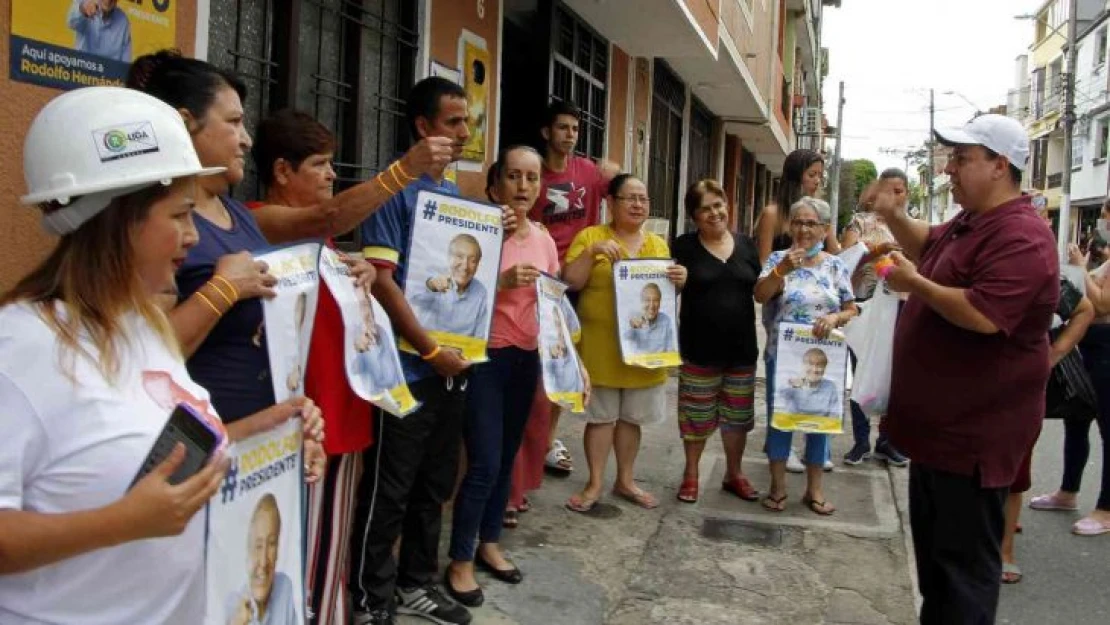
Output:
(1055, 180)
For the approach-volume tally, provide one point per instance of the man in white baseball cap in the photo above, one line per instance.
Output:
(970, 363)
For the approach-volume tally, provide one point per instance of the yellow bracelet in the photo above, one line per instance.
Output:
(210, 304)
(381, 181)
(432, 354)
(222, 294)
(230, 286)
(775, 270)
(404, 174)
(396, 178)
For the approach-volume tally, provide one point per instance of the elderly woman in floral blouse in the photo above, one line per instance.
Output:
(814, 288)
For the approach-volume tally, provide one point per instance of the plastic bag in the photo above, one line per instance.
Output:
(871, 337)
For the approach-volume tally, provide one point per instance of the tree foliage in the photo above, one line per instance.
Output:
(855, 175)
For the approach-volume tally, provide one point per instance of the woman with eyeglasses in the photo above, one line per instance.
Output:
(624, 397)
(803, 173)
(813, 287)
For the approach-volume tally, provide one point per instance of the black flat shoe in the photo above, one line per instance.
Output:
(509, 576)
(471, 598)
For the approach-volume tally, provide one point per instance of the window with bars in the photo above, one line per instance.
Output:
(668, 103)
(579, 71)
(700, 163)
(349, 63)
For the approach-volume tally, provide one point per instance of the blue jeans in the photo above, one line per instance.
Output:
(779, 441)
(498, 402)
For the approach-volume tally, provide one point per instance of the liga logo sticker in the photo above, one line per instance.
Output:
(125, 141)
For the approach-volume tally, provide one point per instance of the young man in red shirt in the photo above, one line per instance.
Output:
(971, 361)
(570, 201)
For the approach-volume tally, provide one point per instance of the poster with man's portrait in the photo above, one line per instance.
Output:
(66, 44)
(647, 307)
(453, 266)
(254, 556)
(369, 348)
(290, 315)
(810, 376)
(562, 370)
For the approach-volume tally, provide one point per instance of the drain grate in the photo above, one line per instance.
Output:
(743, 532)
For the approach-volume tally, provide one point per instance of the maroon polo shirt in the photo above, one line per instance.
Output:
(962, 401)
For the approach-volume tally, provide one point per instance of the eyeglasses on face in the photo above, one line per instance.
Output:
(806, 224)
(634, 199)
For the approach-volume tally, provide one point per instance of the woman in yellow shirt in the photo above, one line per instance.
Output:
(624, 397)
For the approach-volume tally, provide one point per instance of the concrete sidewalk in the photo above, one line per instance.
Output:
(721, 560)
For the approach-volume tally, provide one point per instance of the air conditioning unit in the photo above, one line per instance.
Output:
(811, 120)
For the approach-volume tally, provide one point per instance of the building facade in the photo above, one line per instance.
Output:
(1038, 101)
(673, 90)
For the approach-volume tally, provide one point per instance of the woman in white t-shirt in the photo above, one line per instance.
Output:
(90, 370)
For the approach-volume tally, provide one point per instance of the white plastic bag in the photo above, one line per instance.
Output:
(871, 337)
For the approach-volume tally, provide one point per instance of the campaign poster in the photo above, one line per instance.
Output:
(647, 306)
(453, 265)
(369, 347)
(254, 554)
(290, 315)
(810, 376)
(67, 44)
(562, 370)
(474, 63)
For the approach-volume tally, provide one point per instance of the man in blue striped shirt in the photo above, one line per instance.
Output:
(102, 29)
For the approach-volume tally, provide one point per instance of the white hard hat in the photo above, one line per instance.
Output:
(90, 145)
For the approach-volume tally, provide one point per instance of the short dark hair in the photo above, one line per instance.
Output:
(290, 135)
(893, 173)
(1015, 173)
(560, 107)
(617, 182)
(423, 100)
(182, 82)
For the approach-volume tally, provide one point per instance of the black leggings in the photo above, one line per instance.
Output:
(1095, 348)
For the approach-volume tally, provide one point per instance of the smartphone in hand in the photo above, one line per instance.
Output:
(185, 426)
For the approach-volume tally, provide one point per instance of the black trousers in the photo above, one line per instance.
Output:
(408, 474)
(957, 536)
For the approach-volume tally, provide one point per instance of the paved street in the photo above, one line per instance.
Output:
(1065, 575)
(722, 560)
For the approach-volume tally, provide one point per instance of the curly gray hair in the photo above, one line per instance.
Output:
(820, 207)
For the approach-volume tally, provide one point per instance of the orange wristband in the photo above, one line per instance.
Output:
(432, 354)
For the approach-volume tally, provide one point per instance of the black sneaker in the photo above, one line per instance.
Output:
(428, 602)
(887, 453)
(373, 617)
(858, 453)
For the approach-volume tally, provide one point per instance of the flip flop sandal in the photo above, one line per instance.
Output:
(774, 504)
(688, 492)
(1050, 502)
(1011, 574)
(741, 487)
(580, 504)
(525, 506)
(1090, 527)
(511, 520)
(822, 508)
(644, 499)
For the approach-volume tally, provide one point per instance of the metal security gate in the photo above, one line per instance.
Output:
(348, 63)
(579, 70)
(668, 103)
(700, 164)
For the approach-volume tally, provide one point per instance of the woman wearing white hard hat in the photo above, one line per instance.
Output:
(90, 369)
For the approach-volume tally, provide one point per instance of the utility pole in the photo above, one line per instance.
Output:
(834, 193)
(1063, 233)
(930, 158)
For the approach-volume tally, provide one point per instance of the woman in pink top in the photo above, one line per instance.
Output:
(501, 390)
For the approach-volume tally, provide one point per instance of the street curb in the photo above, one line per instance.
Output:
(899, 486)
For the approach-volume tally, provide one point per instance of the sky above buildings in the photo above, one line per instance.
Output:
(889, 53)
